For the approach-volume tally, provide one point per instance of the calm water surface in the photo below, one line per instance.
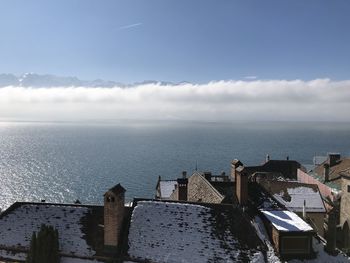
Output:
(62, 162)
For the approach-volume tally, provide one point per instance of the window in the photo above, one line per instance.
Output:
(348, 188)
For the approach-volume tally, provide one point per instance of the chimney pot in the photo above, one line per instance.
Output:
(182, 189)
(333, 158)
(242, 186)
(326, 172)
(207, 175)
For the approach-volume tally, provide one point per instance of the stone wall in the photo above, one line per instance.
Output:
(276, 239)
(200, 190)
(345, 201)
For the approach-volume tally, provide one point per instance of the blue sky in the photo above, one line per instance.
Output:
(196, 41)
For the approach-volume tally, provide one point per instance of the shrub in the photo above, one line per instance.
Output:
(44, 246)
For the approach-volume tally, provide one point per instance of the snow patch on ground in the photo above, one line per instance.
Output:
(323, 256)
(261, 231)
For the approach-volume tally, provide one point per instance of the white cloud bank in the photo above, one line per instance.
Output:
(317, 100)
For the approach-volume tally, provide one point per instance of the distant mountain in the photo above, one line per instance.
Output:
(8, 80)
(41, 81)
(46, 81)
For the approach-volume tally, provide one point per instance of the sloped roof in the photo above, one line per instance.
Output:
(287, 221)
(226, 189)
(293, 194)
(236, 162)
(117, 189)
(79, 234)
(341, 168)
(167, 187)
(287, 168)
(184, 232)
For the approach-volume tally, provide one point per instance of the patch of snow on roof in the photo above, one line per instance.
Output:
(287, 221)
(177, 232)
(17, 227)
(4, 254)
(167, 188)
(296, 197)
(78, 260)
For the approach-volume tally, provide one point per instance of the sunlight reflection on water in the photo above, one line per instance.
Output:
(63, 162)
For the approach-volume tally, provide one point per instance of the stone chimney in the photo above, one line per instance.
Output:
(333, 158)
(182, 184)
(326, 172)
(331, 235)
(114, 200)
(207, 176)
(241, 186)
(234, 164)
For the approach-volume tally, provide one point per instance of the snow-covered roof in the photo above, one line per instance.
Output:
(293, 198)
(181, 232)
(318, 246)
(292, 195)
(167, 187)
(19, 222)
(287, 221)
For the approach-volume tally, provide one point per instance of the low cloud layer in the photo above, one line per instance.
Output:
(316, 100)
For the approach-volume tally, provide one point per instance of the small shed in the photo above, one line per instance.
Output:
(290, 234)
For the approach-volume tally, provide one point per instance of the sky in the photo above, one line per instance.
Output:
(197, 41)
(273, 60)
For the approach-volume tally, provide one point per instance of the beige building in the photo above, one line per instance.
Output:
(345, 212)
(334, 172)
(198, 188)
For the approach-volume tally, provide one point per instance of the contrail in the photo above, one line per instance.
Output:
(129, 26)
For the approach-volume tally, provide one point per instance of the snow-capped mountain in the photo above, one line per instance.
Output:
(40, 81)
(46, 81)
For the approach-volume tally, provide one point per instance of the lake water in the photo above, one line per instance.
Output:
(62, 162)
